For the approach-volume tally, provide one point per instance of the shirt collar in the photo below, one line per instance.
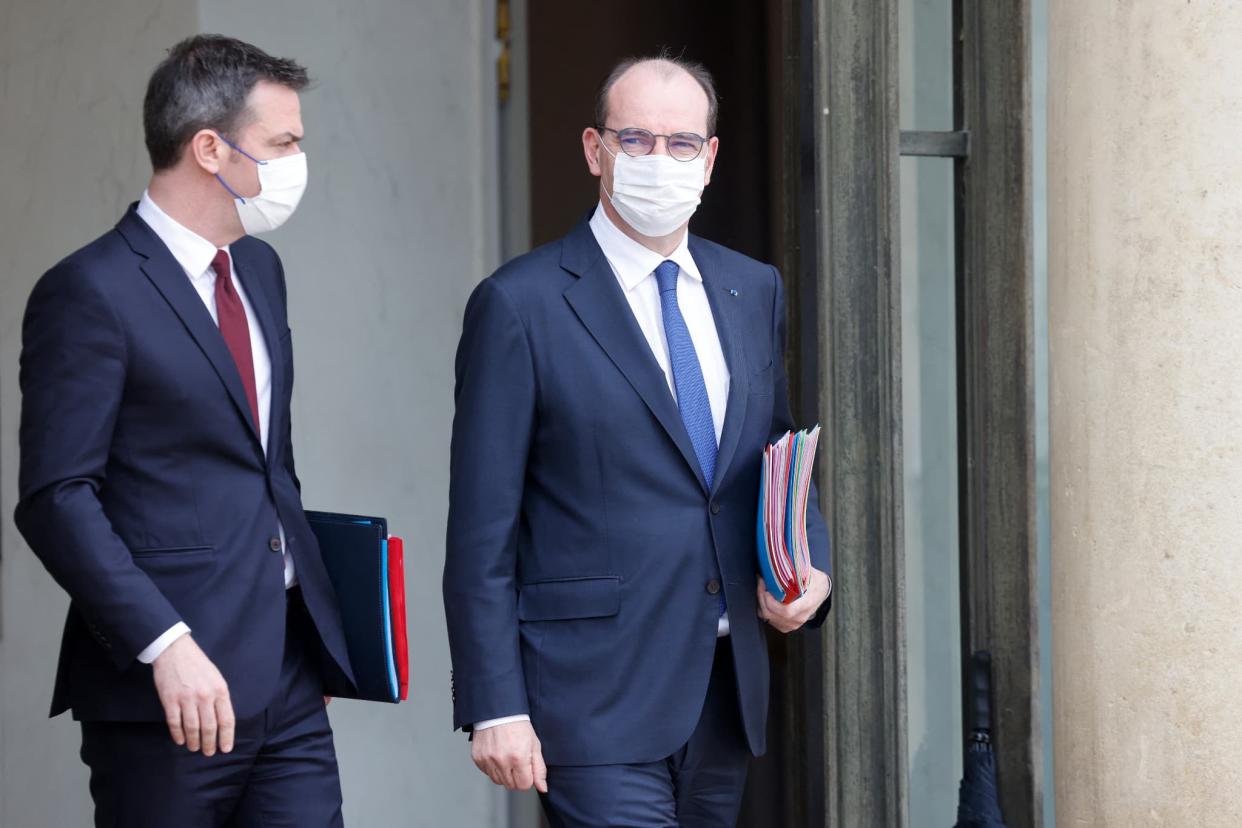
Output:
(632, 262)
(193, 252)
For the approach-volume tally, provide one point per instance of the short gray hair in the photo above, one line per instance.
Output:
(672, 62)
(203, 84)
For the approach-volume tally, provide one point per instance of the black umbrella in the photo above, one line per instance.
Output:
(978, 803)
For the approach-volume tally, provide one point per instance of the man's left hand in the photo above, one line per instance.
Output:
(790, 617)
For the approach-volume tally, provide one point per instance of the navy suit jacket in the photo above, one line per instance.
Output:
(144, 487)
(582, 537)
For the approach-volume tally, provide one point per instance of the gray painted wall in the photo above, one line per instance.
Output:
(73, 78)
(399, 223)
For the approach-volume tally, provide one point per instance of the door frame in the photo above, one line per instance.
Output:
(841, 261)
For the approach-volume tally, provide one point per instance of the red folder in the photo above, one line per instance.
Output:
(396, 597)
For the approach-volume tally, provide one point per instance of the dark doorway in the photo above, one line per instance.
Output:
(572, 48)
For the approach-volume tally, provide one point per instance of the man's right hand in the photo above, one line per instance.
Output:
(510, 754)
(195, 698)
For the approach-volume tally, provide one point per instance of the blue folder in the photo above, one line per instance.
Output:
(355, 553)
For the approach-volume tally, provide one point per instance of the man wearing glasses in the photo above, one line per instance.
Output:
(615, 391)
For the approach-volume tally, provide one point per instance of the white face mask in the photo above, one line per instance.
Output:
(282, 181)
(655, 194)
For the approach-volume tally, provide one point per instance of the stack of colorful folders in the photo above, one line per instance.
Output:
(367, 570)
(784, 492)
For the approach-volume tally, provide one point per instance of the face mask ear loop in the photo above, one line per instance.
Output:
(232, 192)
(612, 155)
(604, 146)
(224, 183)
(239, 149)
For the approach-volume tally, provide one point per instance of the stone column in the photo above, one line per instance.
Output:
(1145, 317)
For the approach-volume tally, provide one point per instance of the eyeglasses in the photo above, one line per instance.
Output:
(683, 146)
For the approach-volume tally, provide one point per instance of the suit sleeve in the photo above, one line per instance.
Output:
(72, 378)
(782, 421)
(492, 432)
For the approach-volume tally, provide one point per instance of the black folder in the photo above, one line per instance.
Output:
(355, 553)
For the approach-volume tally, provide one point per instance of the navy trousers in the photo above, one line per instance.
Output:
(699, 786)
(282, 770)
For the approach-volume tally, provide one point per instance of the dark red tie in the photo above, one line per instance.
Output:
(235, 329)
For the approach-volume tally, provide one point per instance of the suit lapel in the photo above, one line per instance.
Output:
(597, 300)
(173, 284)
(245, 270)
(724, 312)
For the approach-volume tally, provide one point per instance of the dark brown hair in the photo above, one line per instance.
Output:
(203, 84)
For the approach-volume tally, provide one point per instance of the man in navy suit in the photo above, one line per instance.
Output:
(615, 391)
(157, 475)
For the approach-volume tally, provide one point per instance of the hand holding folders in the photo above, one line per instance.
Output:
(784, 492)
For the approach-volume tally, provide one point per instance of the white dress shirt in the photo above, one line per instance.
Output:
(194, 254)
(634, 267)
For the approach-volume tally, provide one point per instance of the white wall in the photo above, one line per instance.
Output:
(399, 223)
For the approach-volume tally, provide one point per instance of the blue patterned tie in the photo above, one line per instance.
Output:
(696, 410)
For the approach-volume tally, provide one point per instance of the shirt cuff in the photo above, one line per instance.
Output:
(484, 725)
(159, 645)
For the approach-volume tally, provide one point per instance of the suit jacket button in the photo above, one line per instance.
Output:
(274, 544)
(713, 586)
(715, 508)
